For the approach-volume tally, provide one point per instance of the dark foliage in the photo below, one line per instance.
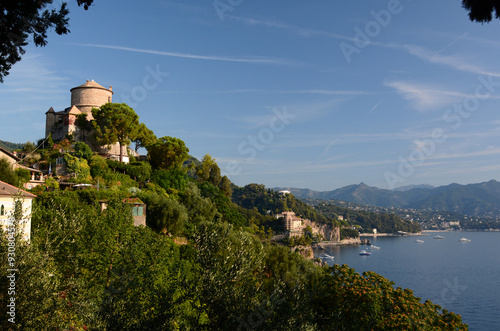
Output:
(20, 20)
(482, 10)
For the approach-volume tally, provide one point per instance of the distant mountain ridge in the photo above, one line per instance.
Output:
(481, 199)
(10, 146)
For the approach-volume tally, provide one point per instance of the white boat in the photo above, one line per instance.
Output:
(374, 247)
(464, 240)
(325, 256)
(363, 252)
(419, 241)
(438, 237)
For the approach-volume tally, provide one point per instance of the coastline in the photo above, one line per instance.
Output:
(345, 242)
(391, 234)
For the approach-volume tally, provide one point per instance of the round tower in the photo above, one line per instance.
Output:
(90, 95)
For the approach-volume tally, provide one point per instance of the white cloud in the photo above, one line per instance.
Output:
(424, 97)
(454, 62)
(245, 59)
(304, 32)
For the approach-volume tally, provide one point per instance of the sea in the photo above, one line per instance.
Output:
(462, 277)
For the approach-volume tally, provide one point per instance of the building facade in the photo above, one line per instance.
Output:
(292, 224)
(8, 195)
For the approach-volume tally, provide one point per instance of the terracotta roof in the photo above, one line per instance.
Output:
(74, 110)
(7, 189)
(3, 150)
(134, 201)
(51, 110)
(90, 84)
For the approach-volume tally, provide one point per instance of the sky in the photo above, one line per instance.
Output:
(315, 95)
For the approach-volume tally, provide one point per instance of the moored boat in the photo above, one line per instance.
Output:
(438, 237)
(419, 241)
(363, 252)
(464, 240)
(325, 256)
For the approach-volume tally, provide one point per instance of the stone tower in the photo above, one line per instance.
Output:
(90, 95)
(83, 99)
(63, 123)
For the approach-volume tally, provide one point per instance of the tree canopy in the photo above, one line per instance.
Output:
(115, 123)
(21, 19)
(168, 153)
(144, 138)
(482, 10)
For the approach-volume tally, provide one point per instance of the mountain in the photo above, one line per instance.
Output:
(411, 187)
(481, 200)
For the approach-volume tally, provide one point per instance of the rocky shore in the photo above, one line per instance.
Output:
(345, 242)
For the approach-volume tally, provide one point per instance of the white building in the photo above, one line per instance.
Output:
(8, 194)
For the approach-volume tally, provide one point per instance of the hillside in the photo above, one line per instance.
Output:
(479, 200)
(10, 146)
(202, 262)
(264, 200)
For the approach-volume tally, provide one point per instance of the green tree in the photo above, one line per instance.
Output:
(22, 19)
(204, 168)
(165, 215)
(82, 150)
(79, 167)
(23, 176)
(115, 123)
(29, 147)
(144, 137)
(7, 173)
(225, 186)
(168, 153)
(98, 166)
(51, 183)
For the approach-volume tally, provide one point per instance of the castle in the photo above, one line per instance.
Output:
(64, 123)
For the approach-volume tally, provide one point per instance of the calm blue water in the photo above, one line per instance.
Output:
(461, 277)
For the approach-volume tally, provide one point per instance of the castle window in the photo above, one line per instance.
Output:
(2, 210)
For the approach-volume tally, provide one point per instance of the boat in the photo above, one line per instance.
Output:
(419, 241)
(363, 252)
(375, 247)
(438, 237)
(325, 256)
(464, 240)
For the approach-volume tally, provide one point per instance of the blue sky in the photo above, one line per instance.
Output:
(303, 94)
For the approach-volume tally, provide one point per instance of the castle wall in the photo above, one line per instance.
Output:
(86, 98)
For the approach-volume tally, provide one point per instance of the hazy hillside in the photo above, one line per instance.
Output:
(482, 199)
(10, 146)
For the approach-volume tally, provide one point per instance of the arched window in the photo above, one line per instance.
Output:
(2, 210)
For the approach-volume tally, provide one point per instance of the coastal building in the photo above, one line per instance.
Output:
(8, 198)
(292, 224)
(63, 123)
